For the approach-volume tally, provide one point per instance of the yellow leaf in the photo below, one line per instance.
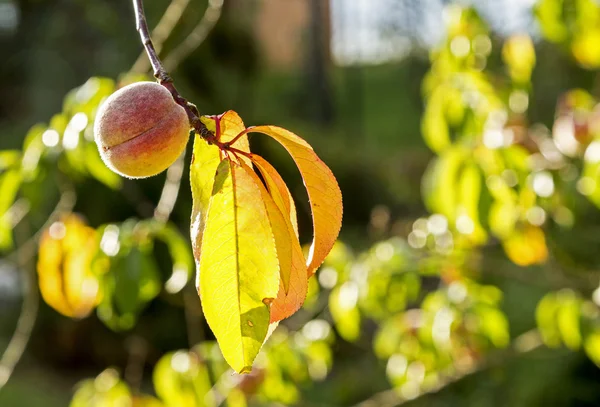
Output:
(205, 160)
(278, 189)
(66, 281)
(238, 270)
(323, 192)
(526, 247)
(519, 54)
(293, 283)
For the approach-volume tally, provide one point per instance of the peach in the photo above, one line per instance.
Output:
(140, 130)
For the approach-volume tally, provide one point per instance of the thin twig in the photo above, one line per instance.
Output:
(197, 36)
(524, 343)
(161, 32)
(23, 257)
(170, 191)
(163, 77)
(174, 174)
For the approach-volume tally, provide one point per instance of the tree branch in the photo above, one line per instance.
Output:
(171, 188)
(161, 32)
(163, 77)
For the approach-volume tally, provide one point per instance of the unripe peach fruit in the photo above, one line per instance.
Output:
(140, 130)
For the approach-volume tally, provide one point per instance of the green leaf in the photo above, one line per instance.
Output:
(434, 126)
(181, 379)
(342, 305)
(183, 261)
(132, 280)
(105, 390)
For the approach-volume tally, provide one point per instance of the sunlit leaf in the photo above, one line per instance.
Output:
(434, 126)
(238, 271)
(205, 160)
(342, 305)
(278, 189)
(526, 246)
(545, 315)
(10, 182)
(469, 196)
(183, 260)
(592, 346)
(323, 192)
(568, 315)
(440, 182)
(292, 265)
(105, 390)
(181, 379)
(97, 169)
(129, 273)
(66, 280)
(519, 55)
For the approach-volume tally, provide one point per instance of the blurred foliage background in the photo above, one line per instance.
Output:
(466, 140)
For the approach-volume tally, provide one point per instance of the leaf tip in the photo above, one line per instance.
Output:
(245, 370)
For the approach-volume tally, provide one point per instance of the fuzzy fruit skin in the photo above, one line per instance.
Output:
(140, 130)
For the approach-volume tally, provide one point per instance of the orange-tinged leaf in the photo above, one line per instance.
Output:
(292, 268)
(526, 247)
(205, 160)
(66, 280)
(277, 188)
(238, 269)
(323, 192)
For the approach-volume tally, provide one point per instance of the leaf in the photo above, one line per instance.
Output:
(66, 280)
(434, 126)
(205, 160)
(10, 182)
(592, 346)
(293, 283)
(567, 318)
(470, 184)
(323, 192)
(526, 247)
(238, 268)
(181, 379)
(440, 182)
(342, 304)
(130, 275)
(105, 390)
(277, 188)
(97, 169)
(183, 261)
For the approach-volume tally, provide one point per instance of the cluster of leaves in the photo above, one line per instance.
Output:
(52, 153)
(80, 268)
(497, 174)
(111, 268)
(566, 318)
(424, 335)
(495, 177)
(200, 377)
(482, 180)
(251, 269)
(574, 25)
